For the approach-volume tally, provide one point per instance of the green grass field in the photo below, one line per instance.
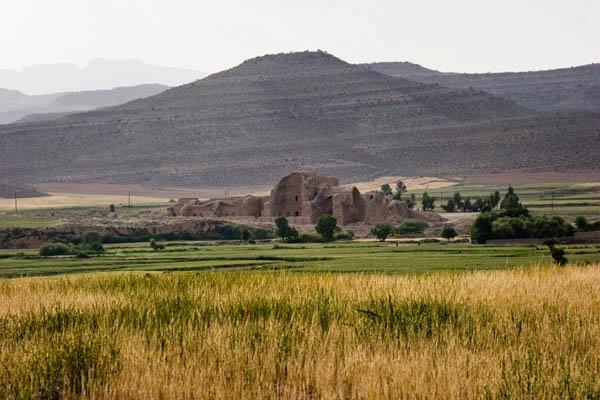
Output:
(338, 257)
(564, 199)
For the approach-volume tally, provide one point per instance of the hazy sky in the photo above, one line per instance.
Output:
(453, 35)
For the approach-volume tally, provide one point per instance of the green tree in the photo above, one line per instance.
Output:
(326, 227)
(284, 230)
(450, 206)
(92, 241)
(478, 205)
(481, 230)
(510, 200)
(386, 189)
(467, 205)
(494, 199)
(382, 230)
(427, 202)
(458, 200)
(400, 188)
(581, 223)
(411, 201)
(511, 206)
(448, 232)
(558, 254)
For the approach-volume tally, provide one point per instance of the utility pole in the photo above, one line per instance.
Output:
(16, 209)
(128, 199)
(552, 195)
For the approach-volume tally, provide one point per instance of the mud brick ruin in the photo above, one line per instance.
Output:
(304, 197)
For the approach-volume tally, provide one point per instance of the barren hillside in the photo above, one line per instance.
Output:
(19, 107)
(278, 113)
(567, 89)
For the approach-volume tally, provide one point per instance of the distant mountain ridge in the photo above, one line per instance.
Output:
(99, 74)
(575, 89)
(278, 113)
(17, 107)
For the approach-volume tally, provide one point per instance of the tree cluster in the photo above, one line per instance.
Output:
(583, 225)
(397, 194)
(478, 204)
(326, 228)
(514, 222)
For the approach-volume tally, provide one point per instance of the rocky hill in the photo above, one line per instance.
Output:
(17, 106)
(274, 114)
(568, 89)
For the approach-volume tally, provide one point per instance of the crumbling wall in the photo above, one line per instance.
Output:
(306, 196)
(293, 195)
(348, 205)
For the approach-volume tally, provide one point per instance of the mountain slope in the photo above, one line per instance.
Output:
(15, 105)
(278, 113)
(569, 89)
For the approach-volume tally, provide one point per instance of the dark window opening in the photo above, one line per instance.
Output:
(296, 199)
(296, 213)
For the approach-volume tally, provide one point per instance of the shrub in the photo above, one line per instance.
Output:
(558, 255)
(448, 232)
(92, 241)
(111, 208)
(54, 249)
(260, 234)
(156, 246)
(284, 230)
(347, 235)
(309, 238)
(326, 227)
(234, 232)
(581, 222)
(555, 226)
(92, 237)
(584, 226)
(82, 254)
(411, 227)
(510, 227)
(382, 230)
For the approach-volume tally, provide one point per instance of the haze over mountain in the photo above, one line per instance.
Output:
(566, 89)
(278, 113)
(17, 106)
(98, 74)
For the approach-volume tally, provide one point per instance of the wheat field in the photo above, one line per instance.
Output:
(524, 333)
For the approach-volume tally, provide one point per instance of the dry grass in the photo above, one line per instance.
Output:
(412, 183)
(512, 334)
(60, 200)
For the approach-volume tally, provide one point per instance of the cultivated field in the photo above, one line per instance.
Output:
(526, 333)
(564, 199)
(372, 257)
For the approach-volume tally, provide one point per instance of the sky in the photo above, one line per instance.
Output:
(453, 35)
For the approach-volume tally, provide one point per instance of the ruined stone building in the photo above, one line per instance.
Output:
(304, 197)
